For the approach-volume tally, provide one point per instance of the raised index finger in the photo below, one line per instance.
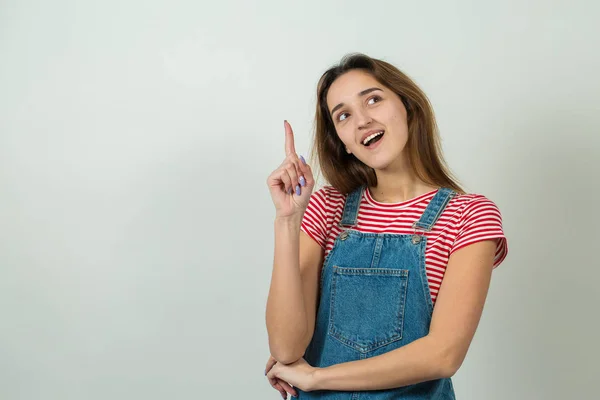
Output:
(289, 139)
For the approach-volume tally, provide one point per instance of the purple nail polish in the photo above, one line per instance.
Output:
(298, 190)
(302, 181)
(303, 160)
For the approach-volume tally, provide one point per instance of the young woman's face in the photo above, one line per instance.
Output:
(362, 109)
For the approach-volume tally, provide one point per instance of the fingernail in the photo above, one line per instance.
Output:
(303, 160)
(290, 191)
(302, 181)
(265, 372)
(298, 190)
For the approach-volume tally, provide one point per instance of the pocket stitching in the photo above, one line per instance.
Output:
(398, 335)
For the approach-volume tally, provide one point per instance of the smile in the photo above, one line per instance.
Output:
(374, 138)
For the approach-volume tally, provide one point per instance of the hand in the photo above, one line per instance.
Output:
(283, 387)
(299, 374)
(293, 176)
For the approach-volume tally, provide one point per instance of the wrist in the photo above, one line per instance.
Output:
(289, 220)
(317, 379)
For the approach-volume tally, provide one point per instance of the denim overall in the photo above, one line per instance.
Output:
(375, 298)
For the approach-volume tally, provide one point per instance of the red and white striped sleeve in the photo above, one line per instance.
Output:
(481, 220)
(314, 221)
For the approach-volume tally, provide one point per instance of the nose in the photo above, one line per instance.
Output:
(362, 118)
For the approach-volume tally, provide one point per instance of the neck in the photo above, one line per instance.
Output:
(398, 185)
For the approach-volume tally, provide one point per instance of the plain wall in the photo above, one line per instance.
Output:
(136, 227)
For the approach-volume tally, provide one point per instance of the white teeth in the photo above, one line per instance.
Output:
(371, 137)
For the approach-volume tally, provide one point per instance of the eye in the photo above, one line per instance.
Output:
(374, 99)
(339, 118)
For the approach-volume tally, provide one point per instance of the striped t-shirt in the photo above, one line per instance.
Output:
(467, 219)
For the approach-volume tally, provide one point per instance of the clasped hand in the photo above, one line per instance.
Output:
(286, 377)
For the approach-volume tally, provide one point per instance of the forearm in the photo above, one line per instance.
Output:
(419, 361)
(286, 312)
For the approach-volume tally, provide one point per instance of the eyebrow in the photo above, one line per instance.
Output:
(366, 91)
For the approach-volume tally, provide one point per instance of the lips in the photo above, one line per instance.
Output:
(373, 138)
(369, 133)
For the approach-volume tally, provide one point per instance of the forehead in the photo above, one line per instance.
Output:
(349, 85)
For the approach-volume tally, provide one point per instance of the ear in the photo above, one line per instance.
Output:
(348, 150)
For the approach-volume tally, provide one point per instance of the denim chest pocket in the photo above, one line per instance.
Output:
(367, 306)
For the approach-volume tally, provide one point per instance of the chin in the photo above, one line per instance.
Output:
(381, 161)
(378, 164)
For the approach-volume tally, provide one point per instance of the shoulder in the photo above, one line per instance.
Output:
(327, 197)
(470, 204)
(321, 213)
(479, 218)
(329, 191)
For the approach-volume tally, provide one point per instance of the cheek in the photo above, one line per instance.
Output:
(393, 112)
(345, 135)
(399, 119)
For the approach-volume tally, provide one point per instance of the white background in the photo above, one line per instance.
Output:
(136, 226)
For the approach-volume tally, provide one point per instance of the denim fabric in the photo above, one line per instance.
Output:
(374, 298)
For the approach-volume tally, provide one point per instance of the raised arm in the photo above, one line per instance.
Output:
(292, 300)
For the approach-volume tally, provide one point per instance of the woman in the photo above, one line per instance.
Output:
(380, 278)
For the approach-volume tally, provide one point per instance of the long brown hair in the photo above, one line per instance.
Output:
(344, 171)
